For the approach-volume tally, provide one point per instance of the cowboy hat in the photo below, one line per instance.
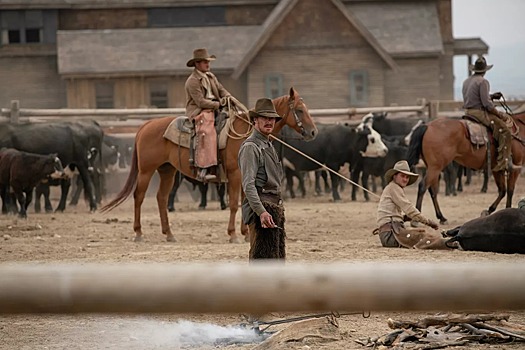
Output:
(480, 66)
(401, 167)
(200, 55)
(264, 108)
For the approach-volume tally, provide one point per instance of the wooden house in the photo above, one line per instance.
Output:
(129, 54)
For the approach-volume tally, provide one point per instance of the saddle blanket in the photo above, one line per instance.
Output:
(476, 132)
(182, 138)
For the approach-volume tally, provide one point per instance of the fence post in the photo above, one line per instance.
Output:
(14, 115)
(433, 110)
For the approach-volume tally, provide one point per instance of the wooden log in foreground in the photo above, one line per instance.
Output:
(260, 288)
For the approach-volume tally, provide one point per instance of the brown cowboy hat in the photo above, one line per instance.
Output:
(480, 66)
(264, 108)
(200, 55)
(401, 167)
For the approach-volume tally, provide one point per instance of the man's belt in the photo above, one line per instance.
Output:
(269, 197)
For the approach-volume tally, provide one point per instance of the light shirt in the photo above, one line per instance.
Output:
(393, 203)
(205, 79)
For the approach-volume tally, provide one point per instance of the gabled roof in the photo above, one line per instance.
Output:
(152, 50)
(403, 28)
(279, 14)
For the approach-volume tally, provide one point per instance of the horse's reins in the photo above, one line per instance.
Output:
(509, 112)
(291, 110)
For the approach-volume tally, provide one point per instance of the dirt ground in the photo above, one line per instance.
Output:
(318, 231)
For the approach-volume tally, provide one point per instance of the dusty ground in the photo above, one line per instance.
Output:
(318, 230)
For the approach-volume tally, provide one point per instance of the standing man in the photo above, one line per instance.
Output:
(477, 102)
(262, 172)
(394, 207)
(205, 97)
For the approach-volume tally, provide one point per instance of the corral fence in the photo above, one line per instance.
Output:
(260, 288)
(132, 118)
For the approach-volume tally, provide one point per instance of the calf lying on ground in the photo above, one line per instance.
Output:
(500, 232)
(20, 172)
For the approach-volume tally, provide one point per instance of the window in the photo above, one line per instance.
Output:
(158, 94)
(273, 85)
(358, 88)
(104, 94)
(21, 27)
(187, 16)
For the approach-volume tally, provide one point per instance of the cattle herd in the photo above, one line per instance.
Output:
(35, 156)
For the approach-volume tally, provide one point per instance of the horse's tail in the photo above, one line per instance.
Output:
(415, 146)
(128, 187)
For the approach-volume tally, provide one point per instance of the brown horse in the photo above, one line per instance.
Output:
(444, 140)
(155, 153)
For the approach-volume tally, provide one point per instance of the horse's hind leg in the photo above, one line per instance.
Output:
(234, 192)
(167, 173)
(143, 180)
(511, 184)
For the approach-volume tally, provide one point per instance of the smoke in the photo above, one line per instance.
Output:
(144, 333)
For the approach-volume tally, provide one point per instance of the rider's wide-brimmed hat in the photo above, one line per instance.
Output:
(480, 66)
(401, 167)
(264, 108)
(200, 55)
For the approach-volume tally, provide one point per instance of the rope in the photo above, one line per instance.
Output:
(323, 166)
(234, 106)
(240, 136)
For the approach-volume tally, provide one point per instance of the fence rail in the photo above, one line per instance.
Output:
(134, 116)
(260, 288)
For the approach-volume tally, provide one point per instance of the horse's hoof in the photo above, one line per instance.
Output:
(202, 208)
(171, 238)
(138, 239)
(484, 213)
(247, 238)
(443, 221)
(171, 210)
(235, 240)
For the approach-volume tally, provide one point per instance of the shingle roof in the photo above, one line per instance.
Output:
(402, 28)
(150, 50)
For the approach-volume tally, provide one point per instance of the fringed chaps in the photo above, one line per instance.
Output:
(269, 243)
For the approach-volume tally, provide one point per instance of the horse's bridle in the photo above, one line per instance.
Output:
(291, 108)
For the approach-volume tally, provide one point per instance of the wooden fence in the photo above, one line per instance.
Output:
(133, 118)
(260, 288)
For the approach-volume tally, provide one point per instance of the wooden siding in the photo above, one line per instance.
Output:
(416, 78)
(317, 61)
(133, 92)
(33, 81)
(103, 19)
(247, 14)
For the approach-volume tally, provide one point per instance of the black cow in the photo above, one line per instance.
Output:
(499, 232)
(111, 161)
(20, 172)
(377, 166)
(71, 141)
(393, 126)
(335, 145)
(124, 144)
(203, 189)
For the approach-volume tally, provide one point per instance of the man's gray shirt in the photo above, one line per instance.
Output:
(476, 93)
(258, 170)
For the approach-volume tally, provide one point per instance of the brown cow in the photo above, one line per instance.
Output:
(20, 172)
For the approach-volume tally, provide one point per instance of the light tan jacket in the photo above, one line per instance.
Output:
(196, 99)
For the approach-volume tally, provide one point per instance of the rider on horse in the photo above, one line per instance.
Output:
(478, 104)
(204, 93)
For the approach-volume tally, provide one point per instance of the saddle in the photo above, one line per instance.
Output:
(181, 130)
(476, 132)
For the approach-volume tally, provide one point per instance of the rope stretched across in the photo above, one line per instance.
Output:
(239, 136)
